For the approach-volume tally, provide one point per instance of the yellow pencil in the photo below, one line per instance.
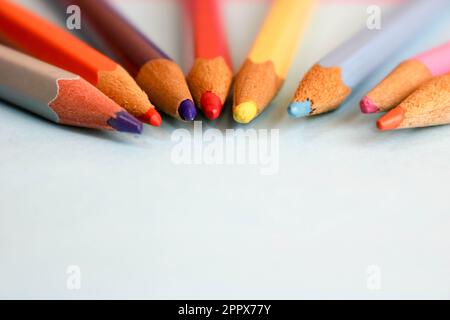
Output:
(267, 65)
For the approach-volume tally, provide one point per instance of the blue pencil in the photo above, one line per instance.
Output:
(329, 82)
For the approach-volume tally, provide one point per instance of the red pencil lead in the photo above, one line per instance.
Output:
(151, 117)
(211, 105)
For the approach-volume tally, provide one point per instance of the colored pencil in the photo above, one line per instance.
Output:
(329, 82)
(35, 36)
(58, 95)
(406, 78)
(159, 76)
(427, 106)
(210, 76)
(266, 67)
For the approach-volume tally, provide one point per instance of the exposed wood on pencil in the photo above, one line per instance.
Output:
(162, 77)
(403, 81)
(406, 78)
(256, 83)
(427, 106)
(119, 86)
(320, 90)
(210, 76)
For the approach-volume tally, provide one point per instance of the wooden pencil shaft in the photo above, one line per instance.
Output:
(400, 83)
(428, 105)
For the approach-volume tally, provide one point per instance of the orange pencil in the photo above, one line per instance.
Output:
(427, 106)
(33, 35)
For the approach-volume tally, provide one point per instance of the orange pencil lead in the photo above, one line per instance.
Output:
(392, 119)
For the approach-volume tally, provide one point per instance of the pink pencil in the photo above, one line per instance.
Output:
(406, 78)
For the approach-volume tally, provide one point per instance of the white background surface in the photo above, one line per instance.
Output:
(346, 196)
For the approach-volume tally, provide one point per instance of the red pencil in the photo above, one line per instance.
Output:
(210, 77)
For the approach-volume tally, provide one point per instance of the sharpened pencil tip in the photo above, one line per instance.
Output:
(187, 110)
(391, 120)
(368, 106)
(245, 112)
(300, 109)
(211, 105)
(151, 117)
(125, 122)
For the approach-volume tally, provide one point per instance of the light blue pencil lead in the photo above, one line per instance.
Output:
(299, 109)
